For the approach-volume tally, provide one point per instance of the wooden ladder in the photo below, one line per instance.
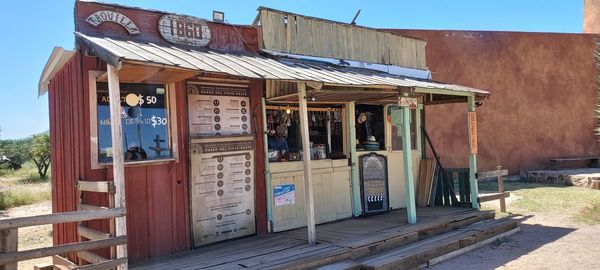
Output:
(86, 233)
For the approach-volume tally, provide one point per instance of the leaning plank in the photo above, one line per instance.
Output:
(493, 196)
(490, 174)
(56, 250)
(54, 218)
(62, 263)
(104, 265)
(96, 186)
(92, 234)
(90, 257)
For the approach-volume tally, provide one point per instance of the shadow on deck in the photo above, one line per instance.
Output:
(337, 241)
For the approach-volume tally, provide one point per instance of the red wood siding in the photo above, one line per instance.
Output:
(156, 195)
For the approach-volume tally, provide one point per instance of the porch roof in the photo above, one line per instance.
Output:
(254, 65)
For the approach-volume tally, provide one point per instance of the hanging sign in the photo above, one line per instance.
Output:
(115, 17)
(473, 132)
(408, 102)
(184, 30)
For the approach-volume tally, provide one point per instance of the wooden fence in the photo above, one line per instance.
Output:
(90, 239)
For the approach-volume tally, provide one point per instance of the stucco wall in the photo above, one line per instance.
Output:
(542, 103)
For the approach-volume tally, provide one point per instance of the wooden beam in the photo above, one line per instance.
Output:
(90, 257)
(92, 234)
(118, 155)
(355, 178)
(9, 243)
(411, 208)
(490, 174)
(89, 207)
(501, 190)
(472, 158)
(60, 262)
(96, 186)
(308, 187)
(60, 249)
(493, 197)
(105, 265)
(64, 217)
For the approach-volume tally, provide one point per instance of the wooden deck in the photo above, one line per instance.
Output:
(337, 241)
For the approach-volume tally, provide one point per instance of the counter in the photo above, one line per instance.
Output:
(331, 182)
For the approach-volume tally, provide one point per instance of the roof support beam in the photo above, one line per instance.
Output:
(116, 131)
(309, 203)
(473, 153)
(411, 208)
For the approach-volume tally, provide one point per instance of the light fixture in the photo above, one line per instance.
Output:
(311, 97)
(218, 16)
(288, 111)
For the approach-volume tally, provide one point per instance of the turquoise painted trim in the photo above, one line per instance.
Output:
(267, 165)
(411, 208)
(354, 177)
(443, 92)
(473, 164)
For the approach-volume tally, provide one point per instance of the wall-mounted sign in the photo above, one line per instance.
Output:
(184, 30)
(218, 110)
(284, 194)
(473, 132)
(222, 176)
(408, 102)
(115, 17)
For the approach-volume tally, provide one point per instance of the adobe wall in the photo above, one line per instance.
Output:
(542, 102)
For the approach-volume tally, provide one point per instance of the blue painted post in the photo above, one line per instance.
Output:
(473, 153)
(411, 208)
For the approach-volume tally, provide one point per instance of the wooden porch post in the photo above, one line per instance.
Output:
(411, 208)
(309, 203)
(473, 152)
(354, 178)
(118, 156)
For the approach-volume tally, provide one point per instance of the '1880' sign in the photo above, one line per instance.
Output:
(184, 30)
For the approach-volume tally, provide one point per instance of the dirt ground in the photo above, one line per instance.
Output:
(547, 241)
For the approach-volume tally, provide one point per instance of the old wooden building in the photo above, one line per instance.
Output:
(236, 130)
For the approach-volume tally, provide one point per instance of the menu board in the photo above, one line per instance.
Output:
(218, 110)
(222, 189)
(374, 183)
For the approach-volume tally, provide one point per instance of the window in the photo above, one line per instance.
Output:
(397, 130)
(144, 118)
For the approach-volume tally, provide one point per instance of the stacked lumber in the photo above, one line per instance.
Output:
(427, 172)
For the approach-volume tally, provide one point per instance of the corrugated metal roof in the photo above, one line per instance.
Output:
(250, 65)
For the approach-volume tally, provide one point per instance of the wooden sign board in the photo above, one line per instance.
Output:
(222, 188)
(473, 132)
(99, 17)
(408, 102)
(184, 30)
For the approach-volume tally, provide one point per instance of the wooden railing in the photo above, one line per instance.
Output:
(499, 173)
(90, 239)
(9, 229)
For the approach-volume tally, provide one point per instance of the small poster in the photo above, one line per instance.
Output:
(218, 110)
(284, 194)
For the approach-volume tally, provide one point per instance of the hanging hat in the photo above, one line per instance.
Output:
(362, 118)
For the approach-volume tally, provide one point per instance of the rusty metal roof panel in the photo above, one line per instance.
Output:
(252, 65)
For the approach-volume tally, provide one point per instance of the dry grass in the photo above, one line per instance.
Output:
(22, 196)
(581, 204)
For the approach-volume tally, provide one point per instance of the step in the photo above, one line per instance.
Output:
(422, 252)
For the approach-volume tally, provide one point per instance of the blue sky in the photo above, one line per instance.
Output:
(33, 28)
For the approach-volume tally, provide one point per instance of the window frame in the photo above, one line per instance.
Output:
(171, 107)
(418, 132)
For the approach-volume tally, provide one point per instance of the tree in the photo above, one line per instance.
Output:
(39, 151)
